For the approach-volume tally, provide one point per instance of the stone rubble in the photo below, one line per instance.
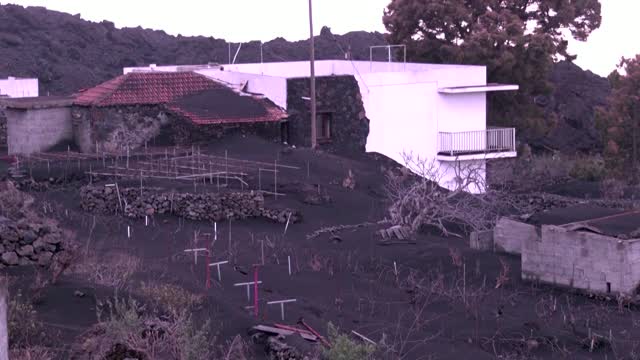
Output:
(30, 242)
(199, 207)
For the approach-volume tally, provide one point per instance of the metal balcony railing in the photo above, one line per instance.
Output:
(477, 142)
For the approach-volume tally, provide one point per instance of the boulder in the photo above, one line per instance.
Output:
(26, 250)
(10, 258)
(44, 258)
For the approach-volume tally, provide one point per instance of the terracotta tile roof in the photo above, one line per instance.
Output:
(145, 89)
(194, 96)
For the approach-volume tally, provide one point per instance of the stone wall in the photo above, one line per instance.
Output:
(29, 242)
(582, 260)
(207, 206)
(115, 128)
(185, 132)
(338, 96)
(3, 128)
(118, 127)
(37, 130)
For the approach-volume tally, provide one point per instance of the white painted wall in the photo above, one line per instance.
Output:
(401, 120)
(16, 88)
(462, 112)
(295, 69)
(274, 88)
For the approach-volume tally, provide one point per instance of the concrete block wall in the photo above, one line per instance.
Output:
(481, 240)
(510, 235)
(37, 130)
(633, 256)
(581, 260)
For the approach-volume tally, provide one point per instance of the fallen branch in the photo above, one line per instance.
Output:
(337, 228)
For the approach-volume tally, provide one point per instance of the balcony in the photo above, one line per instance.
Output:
(471, 145)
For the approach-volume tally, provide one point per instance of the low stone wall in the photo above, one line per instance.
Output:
(29, 242)
(207, 206)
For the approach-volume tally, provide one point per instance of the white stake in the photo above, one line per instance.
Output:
(395, 268)
(289, 262)
(287, 225)
(128, 232)
(217, 264)
(195, 253)
(281, 302)
(215, 231)
(248, 285)
(146, 220)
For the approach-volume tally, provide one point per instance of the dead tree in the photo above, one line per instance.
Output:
(470, 205)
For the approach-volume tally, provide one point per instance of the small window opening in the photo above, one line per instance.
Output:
(608, 288)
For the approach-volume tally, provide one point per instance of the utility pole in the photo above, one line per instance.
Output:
(314, 138)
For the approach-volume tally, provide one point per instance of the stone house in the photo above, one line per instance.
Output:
(342, 125)
(139, 109)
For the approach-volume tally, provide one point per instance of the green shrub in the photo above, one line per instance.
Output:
(588, 169)
(170, 298)
(344, 348)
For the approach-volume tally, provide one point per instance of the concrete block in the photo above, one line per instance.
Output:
(481, 240)
(510, 235)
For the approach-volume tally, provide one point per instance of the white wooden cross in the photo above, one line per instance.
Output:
(248, 285)
(217, 264)
(195, 253)
(281, 302)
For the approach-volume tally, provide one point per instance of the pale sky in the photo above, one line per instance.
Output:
(245, 20)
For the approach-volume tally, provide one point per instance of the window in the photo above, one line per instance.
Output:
(323, 126)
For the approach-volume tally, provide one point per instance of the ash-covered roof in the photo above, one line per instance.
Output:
(611, 222)
(223, 105)
(194, 96)
(42, 102)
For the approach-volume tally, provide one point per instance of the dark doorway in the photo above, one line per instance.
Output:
(284, 132)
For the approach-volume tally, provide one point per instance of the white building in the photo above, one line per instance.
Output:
(434, 113)
(18, 88)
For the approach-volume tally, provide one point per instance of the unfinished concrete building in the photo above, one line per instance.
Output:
(583, 247)
(38, 124)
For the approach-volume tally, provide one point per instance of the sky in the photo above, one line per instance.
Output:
(246, 20)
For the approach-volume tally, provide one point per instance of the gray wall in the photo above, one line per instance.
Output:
(37, 130)
(582, 260)
(3, 128)
(510, 235)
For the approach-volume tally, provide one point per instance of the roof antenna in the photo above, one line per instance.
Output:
(237, 52)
